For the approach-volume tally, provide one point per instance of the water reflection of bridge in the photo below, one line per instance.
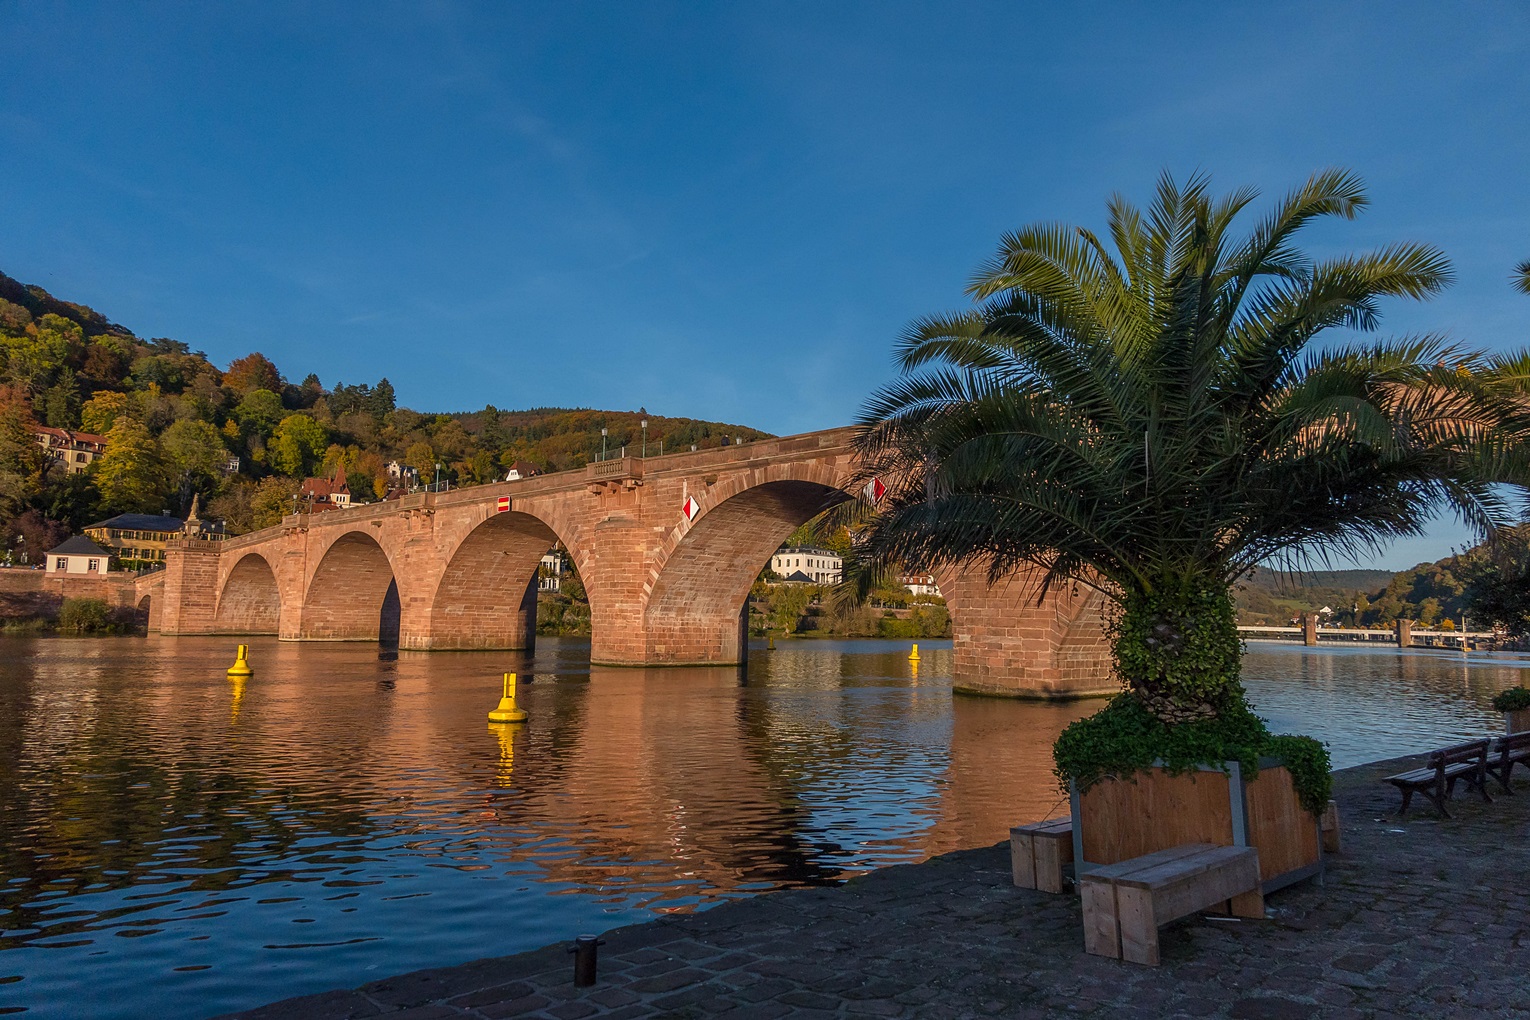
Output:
(661, 786)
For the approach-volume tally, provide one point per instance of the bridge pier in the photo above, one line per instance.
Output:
(190, 599)
(707, 635)
(1009, 643)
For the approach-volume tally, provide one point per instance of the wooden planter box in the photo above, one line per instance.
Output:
(1517, 721)
(1118, 819)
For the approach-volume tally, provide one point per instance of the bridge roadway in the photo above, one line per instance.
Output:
(458, 569)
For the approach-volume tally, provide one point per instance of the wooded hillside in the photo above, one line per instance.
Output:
(173, 420)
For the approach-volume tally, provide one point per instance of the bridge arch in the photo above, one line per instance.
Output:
(700, 586)
(250, 600)
(487, 594)
(353, 594)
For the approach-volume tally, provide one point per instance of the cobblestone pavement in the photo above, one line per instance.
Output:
(1418, 918)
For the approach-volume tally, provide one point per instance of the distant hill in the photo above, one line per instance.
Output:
(39, 302)
(1428, 592)
(1276, 582)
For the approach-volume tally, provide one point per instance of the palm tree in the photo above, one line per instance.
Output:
(1158, 419)
(1522, 277)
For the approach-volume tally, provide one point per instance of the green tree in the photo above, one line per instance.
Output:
(491, 434)
(195, 450)
(71, 499)
(260, 411)
(101, 412)
(1522, 277)
(787, 604)
(423, 459)
(61, 401)
(33, 360)
(1158, 419)
(21, 459)
(1497, 575)
(298, 443)
(272, 501)
(381, 402)
(130, 474)
(482, 469)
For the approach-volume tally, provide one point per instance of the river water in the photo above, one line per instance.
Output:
(177, 845)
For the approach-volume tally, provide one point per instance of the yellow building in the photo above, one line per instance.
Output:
(142, 537)
(74, 450)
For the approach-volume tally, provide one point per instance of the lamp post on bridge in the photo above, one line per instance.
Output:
(644, 426)
(602, 444)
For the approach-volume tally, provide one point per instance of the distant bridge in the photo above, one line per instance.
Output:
(1403, 635)
(457, 569)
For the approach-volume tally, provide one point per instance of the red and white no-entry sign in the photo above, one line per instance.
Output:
(874, 490)
(691, 508)
(504, 504)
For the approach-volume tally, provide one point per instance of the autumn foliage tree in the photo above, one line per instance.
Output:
(252, 372)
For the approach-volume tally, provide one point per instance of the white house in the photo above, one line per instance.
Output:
(521, 469)
(816, 566)
(550, 577)
(78, 555)
(920, 584)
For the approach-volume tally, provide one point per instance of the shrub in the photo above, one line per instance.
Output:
(1514, 699)
(1124, 738)
(83, 616)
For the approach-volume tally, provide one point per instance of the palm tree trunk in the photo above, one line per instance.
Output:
(1177, 647)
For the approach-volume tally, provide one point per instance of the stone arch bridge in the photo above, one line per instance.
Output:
(458, 569)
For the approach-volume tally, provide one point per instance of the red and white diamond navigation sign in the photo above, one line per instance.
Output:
(691, 508)
(874, 490)
(504, 504)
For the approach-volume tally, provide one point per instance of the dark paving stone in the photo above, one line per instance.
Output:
(1429, 920)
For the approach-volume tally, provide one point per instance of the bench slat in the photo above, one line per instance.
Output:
(1119, 870)
(1186, 869)
(1230, 877)
(1125, 903)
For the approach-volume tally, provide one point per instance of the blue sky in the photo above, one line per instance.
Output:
(723, 211)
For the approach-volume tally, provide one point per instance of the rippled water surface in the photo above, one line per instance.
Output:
(176, 845)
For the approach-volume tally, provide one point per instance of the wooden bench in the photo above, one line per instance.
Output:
(1039, 852)
(1328, 827)
(1509, 751)
(1437, 779)
(1126, 903)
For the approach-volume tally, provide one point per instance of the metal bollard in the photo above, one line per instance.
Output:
(584, 959)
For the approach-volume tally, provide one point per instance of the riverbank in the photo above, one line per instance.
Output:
(1420, 916)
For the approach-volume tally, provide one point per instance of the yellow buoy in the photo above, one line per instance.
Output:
(770, 642)
(507, 712)
(914, 655)
(241, 667)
